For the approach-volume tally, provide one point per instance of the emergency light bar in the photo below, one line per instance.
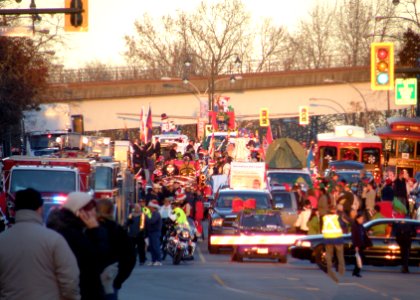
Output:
(229, 240)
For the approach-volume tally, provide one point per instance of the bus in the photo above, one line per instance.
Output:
(349, 143)
(401, 143)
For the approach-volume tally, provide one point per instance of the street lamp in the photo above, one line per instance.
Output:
(328, 80)
(333, 101)
(323, 105)
(197, 93)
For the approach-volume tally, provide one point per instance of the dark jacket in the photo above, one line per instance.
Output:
(121, 251)
(400, 188)
(387, 193)
(90, 246)
(154, 224)
(359, 236)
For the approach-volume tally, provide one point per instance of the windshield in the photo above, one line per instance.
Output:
(284, 198)
(225, 201)
(43, 141)
(261, 220)
(53, 181)
(103, 178)
(278, 179)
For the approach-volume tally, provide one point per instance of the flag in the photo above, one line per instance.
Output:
(211, 146)
(269, 134)
(148, 127)
(309, 158)
(141, 127)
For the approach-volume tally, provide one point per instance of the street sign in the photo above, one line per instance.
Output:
(406, 91)
(20, 31)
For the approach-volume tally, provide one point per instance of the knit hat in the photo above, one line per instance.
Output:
(76, 201)
(180, 195)
(154, 203)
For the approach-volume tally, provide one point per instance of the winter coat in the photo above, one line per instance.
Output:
(154, 223)
(359, 236)
(36, 262)
(90, 246)
(314, 226)
(121, 251)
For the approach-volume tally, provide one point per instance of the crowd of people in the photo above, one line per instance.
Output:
(333, 207)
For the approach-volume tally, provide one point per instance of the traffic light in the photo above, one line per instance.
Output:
(77, 22)
(264, 120)
(382, 66)
(303, 115)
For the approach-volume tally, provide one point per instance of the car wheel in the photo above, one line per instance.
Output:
(283, 259)
(320, 260)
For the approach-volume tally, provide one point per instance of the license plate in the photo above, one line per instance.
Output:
(262, 250)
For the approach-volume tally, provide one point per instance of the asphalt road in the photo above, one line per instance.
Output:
(216, 277)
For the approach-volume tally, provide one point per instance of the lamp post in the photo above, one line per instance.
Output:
(327, 80)
(333, 101)
(324, 105)
(209, 89)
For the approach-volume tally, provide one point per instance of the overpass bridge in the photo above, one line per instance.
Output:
(104, 103)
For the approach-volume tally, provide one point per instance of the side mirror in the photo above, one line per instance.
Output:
(279, 205)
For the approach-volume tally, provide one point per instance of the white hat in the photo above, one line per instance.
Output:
(154, 203)
(77, 200)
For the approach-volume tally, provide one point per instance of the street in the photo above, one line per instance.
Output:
(216, 277)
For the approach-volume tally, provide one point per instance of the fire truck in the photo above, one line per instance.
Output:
(54, 178)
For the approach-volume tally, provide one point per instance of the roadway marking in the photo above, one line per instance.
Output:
(359, 285)
(202, 258)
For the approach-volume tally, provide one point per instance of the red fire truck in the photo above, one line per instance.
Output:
(54, 178)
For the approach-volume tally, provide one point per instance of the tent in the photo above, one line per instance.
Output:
(285, 153)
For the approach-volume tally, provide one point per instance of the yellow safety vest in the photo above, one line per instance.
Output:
(331, 228)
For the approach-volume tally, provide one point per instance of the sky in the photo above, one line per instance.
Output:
(111, 20)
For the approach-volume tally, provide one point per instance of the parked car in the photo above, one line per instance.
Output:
(384, 251)
(221, 216)
(286, 201)
(260, 233)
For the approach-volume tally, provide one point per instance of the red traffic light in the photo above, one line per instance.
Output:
(382, 53)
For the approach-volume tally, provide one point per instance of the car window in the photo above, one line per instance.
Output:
(284, 198)
(290, 179)
(225, 201)
(261, 220)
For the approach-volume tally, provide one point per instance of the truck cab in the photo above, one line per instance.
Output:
(54, 178)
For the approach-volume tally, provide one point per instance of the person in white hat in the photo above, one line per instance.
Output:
(154, 230)
(76, 221)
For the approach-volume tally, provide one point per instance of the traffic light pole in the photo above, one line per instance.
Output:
(39, 11)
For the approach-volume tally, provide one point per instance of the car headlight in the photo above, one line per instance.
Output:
(217, 222)
(300, 243)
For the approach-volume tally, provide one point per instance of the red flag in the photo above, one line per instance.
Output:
(149, 127)
(269, 134)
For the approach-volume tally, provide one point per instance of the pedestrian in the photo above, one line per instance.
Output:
(154, 230)
(333, 236)
(404, 232)
(369, 194)
(323, 203)
(387, 192)
(76, 220)
(35, 262)
(301, 223)
(360, 240)
(136, 227)
(122, 258)
(313, 222)
(400, 189)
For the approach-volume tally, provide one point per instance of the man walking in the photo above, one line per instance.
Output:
(35, 262)
(404, 232)
(333, 235)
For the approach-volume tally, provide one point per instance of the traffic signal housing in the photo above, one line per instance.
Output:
(303, 115)
(264, 120)
(382, 66)
(77, 22)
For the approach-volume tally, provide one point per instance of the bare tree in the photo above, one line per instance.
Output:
(311, 47)
(211, 37)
